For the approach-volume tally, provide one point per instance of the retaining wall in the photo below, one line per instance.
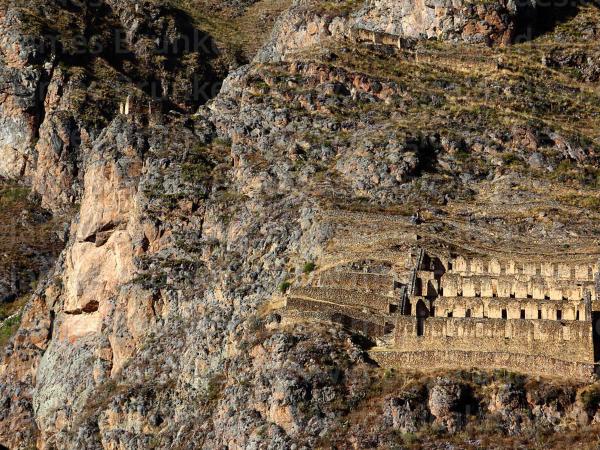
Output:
(567, 341)
(382, 284)
(378, 303)
(428, 360)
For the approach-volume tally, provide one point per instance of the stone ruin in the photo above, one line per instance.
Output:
(455, 311)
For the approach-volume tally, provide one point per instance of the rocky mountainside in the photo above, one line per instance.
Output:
(188, 160)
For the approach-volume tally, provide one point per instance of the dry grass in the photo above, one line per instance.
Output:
(28, 242)
(240, 30)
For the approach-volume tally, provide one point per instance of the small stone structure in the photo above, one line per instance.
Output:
(453, 311)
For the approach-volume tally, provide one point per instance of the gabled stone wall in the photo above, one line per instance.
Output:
(493, 308)
(516, 286)
(494, 266)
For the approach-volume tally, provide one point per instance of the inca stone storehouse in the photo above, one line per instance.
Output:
(435, 310)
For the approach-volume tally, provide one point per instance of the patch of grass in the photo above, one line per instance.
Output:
(27, 233)
(337, 8)
(8, 328)
(587, 201)
(510, 159)
(11, 195)
(191, 172)
(10, 308)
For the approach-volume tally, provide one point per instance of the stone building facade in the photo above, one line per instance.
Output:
(455, 311)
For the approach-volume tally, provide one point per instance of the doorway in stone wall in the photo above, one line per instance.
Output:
(422, 315)
(596, 335)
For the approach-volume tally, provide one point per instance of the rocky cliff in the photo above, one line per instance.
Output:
(194, 189)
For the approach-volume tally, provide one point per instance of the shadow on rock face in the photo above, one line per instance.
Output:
(539, 17)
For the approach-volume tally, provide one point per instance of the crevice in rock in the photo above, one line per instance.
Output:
(91, 307)
(102, 234)
(51, 327)
(40, 101)
(88, 308)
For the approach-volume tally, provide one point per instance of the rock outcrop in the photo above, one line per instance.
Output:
(490, 23)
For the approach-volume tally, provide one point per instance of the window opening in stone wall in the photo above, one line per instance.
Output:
(422, 315)
(577, 316)
(522, 314)
(468, 313)
(558, 314)
(539, 314)
(504, 314)
(450, 314)
(596, 334)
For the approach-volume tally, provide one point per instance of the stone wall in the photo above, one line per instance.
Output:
(515, 309)
(566, 341)
(428, 360)
(343, 297)
(362, 35)
(382, 284)
(368, 324)
(523, 316)
(517, 286)
(494, 266)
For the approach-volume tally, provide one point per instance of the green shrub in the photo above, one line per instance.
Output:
(309, 267)
(510, 159)
(590, 397)
(284, 287)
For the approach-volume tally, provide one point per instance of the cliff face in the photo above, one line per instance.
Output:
(154, 328)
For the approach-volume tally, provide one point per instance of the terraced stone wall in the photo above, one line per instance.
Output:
(368, 324)
(382, 284)
(343, 297)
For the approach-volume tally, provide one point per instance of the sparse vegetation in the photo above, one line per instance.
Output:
(590, 397)
(309, 267)
(284, 287)
(8, 328)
